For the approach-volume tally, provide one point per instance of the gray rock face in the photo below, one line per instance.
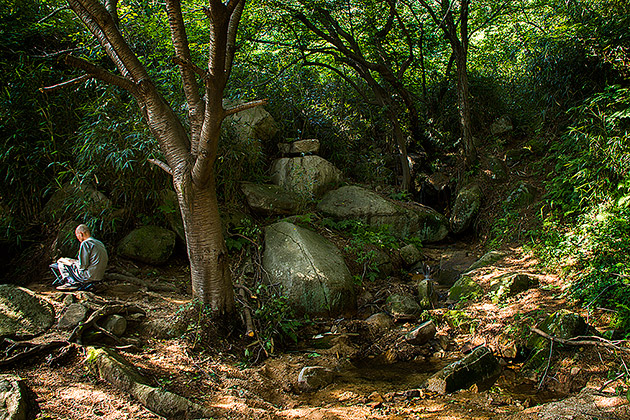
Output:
(310, 269)
(22, 314)
(466, 207)
(254, 124)
(563, 324)
(148, 244)
(13, 398)
(352, 202)
(312, 378)
(310, 176)
(72, 316)
(124, 376)
(480, 367)
(421, 334)
(510, 285)
(270, 199)
(299, 147)
(403, 307)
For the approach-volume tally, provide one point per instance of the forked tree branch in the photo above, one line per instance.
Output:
(101, 74)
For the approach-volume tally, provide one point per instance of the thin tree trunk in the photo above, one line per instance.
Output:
(463, 100)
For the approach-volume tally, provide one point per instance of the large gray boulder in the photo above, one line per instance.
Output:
(466, 208)
(310, 269)
(253, 124)
(148, 244)
(480, 367)
(309, 176)
(66, 243)
(270, 199)
(353, 202)
(70, 200)
(13, 398)
(312, 378)
(22, 314)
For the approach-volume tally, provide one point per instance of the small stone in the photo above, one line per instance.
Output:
(72, 316)
(312, 378)
(380, 321)
(422, 334)
(410, 255)
(116, 325)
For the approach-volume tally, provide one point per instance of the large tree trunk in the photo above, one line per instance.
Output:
(209, 265)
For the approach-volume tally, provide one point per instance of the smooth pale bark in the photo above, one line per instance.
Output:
(190, 156)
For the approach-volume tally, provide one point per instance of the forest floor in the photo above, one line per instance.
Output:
(217, 374)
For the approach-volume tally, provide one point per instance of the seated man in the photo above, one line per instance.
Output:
(90, 266)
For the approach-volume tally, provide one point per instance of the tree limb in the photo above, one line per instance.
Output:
(102, 74)
(67, 83)
(245, 106)
(161, 165)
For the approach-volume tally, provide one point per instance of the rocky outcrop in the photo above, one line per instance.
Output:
(70, 200)
(270, 200)
(501, 125)
(353, 202)
(465, 210)
(22, 314)
(310, 269)
(410, 255)
(521, 196)
(148, 244)
(480, 367)
(486, 260)
(309, 176)
(253, 124)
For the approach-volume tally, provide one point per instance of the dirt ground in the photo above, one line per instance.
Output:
(367, 385)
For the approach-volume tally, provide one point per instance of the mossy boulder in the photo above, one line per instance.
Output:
(22, 313)
(465, 289)
(486, 260)
(308, 176)
(403, 307)
(497, 169)
(466, 208)
(148, 244)
(480, 367)
(562, 324)
(510, 285)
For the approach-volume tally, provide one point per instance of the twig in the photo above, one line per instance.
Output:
(66, 83)
(542, 380)
(579, 341)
